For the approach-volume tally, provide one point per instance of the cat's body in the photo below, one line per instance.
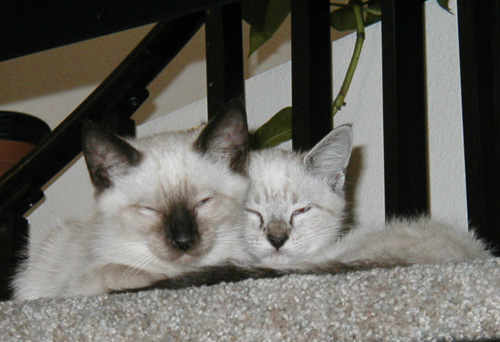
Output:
(399, 243)
(177, 202)
(165, 204)
(295, 224)
(296, 206)
(419, 240)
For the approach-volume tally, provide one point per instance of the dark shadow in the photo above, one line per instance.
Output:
(353, 174)
(87, 63)
(281, 36)
(64, 68)
(194, 51)
(269, 48)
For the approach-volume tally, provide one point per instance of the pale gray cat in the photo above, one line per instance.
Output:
(165, 204)
(296, 210)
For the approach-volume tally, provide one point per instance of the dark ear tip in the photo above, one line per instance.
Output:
(233, 107)
(89, 134)
(237, 104)
(90, 128)
(88, 125)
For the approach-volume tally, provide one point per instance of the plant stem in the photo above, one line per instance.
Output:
(360, 33)
(338, 5)
(373, 11)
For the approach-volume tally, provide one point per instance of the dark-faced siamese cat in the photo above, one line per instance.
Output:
(164, 205)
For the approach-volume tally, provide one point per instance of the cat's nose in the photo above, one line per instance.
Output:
(184, 243)
(180, 227)
(277, 240)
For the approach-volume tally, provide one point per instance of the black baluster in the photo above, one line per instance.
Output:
(405, 140)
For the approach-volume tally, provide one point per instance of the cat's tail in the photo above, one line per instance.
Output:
(230, 273)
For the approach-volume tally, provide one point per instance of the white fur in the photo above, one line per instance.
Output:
(121, 246)
(283, 182)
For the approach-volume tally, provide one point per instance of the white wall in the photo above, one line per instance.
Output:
(446, 157)
(267, 93)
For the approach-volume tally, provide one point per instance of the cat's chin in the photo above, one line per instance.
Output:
(171, 265)
(185, 260)
(278, 258)
(177, 257)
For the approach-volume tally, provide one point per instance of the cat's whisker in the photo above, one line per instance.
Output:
(116, 245)
(228, 238)
(225, 234)
(230, 241)
(323, 234)
(136, 257)
(136, 268)
(320, 237)
(231, 229)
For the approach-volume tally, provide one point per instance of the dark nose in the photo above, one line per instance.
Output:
(277, 240)
(184, 243)
(181, 228)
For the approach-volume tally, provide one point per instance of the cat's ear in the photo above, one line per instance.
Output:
(225, 137)
(329, 158)
(107, 156)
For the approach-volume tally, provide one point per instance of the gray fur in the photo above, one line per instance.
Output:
(300, 199)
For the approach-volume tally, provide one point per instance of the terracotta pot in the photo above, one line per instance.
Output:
(19, 134)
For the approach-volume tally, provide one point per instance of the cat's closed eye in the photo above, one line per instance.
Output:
(202, 202)
(258, 215)
(298, 212)
(148, 211)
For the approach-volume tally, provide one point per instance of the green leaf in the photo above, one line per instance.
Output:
(265, 17)
(445, 5)
(275, 131)
(373, 12)
(257, 39)
(343, 19)
(371, 19)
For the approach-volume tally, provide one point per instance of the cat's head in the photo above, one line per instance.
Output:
(296, 201)
(170, 200)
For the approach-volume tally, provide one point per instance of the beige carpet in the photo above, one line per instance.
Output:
(419, 303)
